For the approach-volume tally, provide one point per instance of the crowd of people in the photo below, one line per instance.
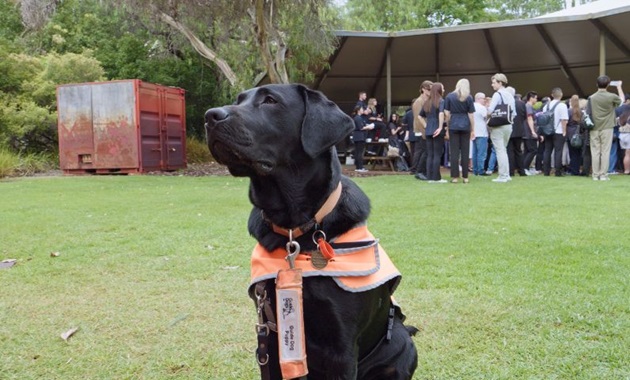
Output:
(506, 132)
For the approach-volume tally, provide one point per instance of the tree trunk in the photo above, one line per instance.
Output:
(276, 68)
(203, 49)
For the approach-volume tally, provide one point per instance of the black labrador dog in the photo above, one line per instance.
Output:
(282, 137)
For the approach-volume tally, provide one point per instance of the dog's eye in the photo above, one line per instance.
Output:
(269, 100)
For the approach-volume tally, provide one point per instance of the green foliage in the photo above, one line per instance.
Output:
(10, 23)
(8, 162)
(33, 163)
(62, 69)
(197, 151)
(26, 126)
(397, 15)
(28, 119)
(393, 15)
(518, 9)
(12, 164)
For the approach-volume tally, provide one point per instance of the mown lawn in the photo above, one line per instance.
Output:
(525, 280)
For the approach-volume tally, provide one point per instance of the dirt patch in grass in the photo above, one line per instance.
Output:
(215, 169)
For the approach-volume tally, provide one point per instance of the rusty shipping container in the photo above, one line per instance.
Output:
(126, 126)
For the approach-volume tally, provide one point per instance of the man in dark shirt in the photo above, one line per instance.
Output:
(362, 100)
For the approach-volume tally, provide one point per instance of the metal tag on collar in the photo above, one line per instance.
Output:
(293, 249)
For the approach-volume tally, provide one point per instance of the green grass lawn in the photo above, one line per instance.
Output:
(524, 280)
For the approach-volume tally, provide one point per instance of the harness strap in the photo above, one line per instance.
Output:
(266, 323)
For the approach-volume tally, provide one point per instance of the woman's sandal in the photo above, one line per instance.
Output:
(465, 180)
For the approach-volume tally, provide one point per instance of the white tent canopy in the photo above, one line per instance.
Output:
(568, 50)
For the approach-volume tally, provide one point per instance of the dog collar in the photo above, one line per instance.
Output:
(326, 208)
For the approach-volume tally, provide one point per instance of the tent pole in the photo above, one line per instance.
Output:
(602, 53)
(389, 82)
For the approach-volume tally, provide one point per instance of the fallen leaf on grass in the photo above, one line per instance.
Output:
(54, 254)
(8, 263)
(178, 319)
(65, 336)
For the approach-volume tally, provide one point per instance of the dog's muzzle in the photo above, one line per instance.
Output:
(213, 115)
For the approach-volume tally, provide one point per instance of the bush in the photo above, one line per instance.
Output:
(30, 164)
(8, 163)
(12, 164)
(197, 151)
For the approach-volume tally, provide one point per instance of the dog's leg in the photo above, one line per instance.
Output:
(396, 359)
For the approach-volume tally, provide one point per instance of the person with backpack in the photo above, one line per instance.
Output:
(556, 141)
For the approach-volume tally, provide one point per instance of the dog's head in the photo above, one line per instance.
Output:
(274, 127)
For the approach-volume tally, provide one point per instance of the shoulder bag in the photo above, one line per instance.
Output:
(501, 115)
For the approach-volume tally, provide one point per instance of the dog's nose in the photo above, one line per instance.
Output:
(215, 114)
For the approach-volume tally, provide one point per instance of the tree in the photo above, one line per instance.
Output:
(397, 15)
(244, 39)
(27, 111)
(393, 15)
(519, 9)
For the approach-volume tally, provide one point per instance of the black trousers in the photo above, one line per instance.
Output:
(359, 150)
(553, 143)
(435, 148)
(419, 160)
(459, 152)
(586, 157)
(575, 157)
(531, 149)
(515, 155)
(540, 155)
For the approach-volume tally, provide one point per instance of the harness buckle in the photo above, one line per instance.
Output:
(293, 249)
(262, 329)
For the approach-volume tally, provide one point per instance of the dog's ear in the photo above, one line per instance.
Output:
(324, 123)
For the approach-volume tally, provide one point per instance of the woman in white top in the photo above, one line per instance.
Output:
(480, 143)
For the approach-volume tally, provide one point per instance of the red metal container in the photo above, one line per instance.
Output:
(125, 126)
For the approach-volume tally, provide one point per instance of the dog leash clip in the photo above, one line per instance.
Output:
(293, 249)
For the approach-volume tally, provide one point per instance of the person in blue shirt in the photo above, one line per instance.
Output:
(459, 109)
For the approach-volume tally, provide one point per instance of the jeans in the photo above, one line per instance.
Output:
(500, 137)
(492, 161)
(459, 146)
(435, 147)
(480, 151)
(614, 148)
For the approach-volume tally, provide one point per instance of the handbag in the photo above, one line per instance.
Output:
(501, 115)
(392, 151)
(576, 141)
(587, 122)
